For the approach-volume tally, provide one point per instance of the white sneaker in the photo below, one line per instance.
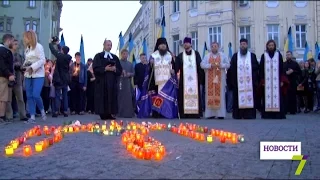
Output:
(30, 121)
(44, 117)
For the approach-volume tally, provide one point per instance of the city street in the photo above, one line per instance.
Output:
(87, 155)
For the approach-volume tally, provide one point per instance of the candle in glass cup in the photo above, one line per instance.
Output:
(27, 151)
(134, 127)
(38, 147)
(162, 150)
(147, 154)
(45, 128)
(9, 150)
(65, 129)
(70, 129)
(222, 139)
(38, 132)
(121, 123)
(209, 139)
(14, 144)
(140, 153)
(129, 146)
(103, 127)
(51, 141)
(56, 138)
(157, 155)
(205, 129)
(202, 137)
(83, 127)
(234, 140)
(229, 135)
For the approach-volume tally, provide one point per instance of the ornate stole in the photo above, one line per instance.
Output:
(271, 87)
(162, 67)
(214, 83)
(245, 87)
(190, 84)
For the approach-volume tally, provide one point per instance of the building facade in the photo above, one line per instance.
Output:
(43, 17)
(228, 21)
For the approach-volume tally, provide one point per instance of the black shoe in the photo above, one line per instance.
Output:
(65, 114)
(220, 117)
(54, 115)
(24, 119)
(28, 115)
(306, 111)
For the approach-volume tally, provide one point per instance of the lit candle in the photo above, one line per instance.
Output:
(65, 129)
(147, 154)
(83, 127)
(38, 147)
(105, 132)
(14, 144)
(205, 130)
(121, 123)
(9, 150)
(70, 129)
(162, 150)
(234, 140)
(56, 138)
(111, 127)
(229, 135)
(51, 141)
(157, 155)
(209, 139)
(241, 138)
(45, 128)
(129, 146)
(222, 139)
(103, 127)
(134, 127)
(38, 132)
(27, 151)
(140, 153)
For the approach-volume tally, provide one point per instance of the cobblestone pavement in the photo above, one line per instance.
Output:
(86, 155)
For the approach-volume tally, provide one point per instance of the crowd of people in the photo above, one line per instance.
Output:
(33, 86)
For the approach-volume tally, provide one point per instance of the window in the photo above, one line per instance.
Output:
(5, 3)
(175, 6)
(244, 32)
(32, 3)
(300, 4)
(6, 24)
(273, 33)
(194, 40)
(161, 7)
(243, 3)
(301, 35)
(175, 39)
(31, 24)
(194, 4)
(272, 4)
(215, 35)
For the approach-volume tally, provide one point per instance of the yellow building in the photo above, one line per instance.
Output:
(228, 21)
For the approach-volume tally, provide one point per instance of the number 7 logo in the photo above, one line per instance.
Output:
(303, 160)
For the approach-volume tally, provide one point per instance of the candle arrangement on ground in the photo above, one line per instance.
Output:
(199, 133)
(142, 146)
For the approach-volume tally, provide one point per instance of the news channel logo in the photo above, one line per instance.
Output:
(271, 150)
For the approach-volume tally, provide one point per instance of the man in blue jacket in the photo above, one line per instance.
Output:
(78, 85)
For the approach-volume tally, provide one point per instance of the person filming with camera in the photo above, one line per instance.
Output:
(61, 77)
(7, 78)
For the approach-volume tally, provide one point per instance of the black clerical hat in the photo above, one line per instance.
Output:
(161, 41)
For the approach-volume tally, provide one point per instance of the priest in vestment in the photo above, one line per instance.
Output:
(273, 83)
(162, 67)
(215, 64)
(244, 82)
(188, 64)
(107, 69)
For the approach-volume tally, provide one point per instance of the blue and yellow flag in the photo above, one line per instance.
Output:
(121, 43)
(83, 59)
(62, 42)
(205, 50)
(288, 46)
(307, 54)
(162, 31)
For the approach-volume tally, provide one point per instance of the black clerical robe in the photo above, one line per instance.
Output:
(291, 101)
(106, 89)
(179, 62)
(280, 85)
(248, 113)
(139, 73)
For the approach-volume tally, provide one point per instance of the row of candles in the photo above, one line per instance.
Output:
(39, 146)
(58, 134)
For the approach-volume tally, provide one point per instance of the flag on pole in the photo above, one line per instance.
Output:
(162, 31)
(205, 50)
(307, 54)
(230, 50)
(131, 46)
(121, 43)
(145, 47)
(317, 51)
(62, 42)
(83, 59)
(288, 46)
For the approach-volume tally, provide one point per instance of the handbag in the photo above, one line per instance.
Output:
(52, 93)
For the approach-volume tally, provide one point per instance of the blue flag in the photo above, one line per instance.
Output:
(166, 103)
(83, 60)
(230, 50)
(145, 47)
(306, 51)
(145, 101)
(62, 42)
(290, 40)
(121, 41)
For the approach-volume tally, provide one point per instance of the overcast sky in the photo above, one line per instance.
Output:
(95, 20)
